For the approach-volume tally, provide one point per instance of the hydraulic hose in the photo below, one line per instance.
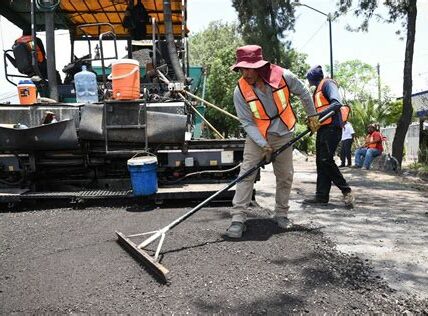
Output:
(169, 36)
(204, 172)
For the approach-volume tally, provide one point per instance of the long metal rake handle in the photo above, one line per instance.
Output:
(231, 184)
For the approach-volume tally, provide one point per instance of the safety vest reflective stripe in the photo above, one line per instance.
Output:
(283, 98)
(253, 106)
(321, 103)
(260, 116)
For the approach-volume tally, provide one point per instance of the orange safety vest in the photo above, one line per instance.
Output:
(281, 96)
(321, 103)
(370, 138)
(27, 39)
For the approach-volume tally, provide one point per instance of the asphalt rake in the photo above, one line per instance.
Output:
(139, 251)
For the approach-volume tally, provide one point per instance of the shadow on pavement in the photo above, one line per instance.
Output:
(262, 229)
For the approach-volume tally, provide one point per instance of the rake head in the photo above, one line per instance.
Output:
(143, 257)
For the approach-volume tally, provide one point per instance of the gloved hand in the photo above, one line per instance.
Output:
(313, 123)
(267, 153)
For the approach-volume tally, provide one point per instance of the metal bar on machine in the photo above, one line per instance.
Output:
(211, 105)
(202, 117)
(165, 79)
(141, 126)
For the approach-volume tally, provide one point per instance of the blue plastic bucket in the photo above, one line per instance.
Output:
(143, 175)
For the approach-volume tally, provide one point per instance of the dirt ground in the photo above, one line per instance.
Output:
(55, 259)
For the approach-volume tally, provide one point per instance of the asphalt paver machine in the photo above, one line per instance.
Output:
(83, 154)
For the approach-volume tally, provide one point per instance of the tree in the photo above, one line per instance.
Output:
(204, 45)
(214, 48)
(264, 23)
(220, 86)
(355, 78)
(398, 10)
(358, 83)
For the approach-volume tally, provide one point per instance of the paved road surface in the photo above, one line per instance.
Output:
(389, 225)
(55, 259)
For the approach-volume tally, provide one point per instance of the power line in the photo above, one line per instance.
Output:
(8, 94)
(312, 36)
(8, 97)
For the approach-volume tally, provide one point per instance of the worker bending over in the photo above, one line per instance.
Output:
(262, 103)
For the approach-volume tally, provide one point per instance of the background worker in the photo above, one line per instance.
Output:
(27, 40)
(262, 103)
(347, 140)
(327, 98)
(371, 149)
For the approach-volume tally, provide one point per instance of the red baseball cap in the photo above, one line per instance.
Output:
(249, 56)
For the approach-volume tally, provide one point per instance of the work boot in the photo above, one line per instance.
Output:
(235, 230)
(349, 199)
(283, 222)
(315, 201)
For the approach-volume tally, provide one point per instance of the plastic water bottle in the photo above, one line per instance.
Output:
(86, 86)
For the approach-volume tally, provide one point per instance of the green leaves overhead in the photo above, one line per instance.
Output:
(264, 23)
(214, 48)
(358, 83)
(356, 79)
(397, 10)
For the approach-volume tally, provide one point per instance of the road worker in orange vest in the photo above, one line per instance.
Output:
(371, 149)
(327, 98)
(27, 39)
(262, 103)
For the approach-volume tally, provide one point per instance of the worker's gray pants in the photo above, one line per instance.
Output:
(283, 170)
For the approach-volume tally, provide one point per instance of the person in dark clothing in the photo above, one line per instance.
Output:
(327, 98)
(26, 39)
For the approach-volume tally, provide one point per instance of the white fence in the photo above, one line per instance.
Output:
(411, 143)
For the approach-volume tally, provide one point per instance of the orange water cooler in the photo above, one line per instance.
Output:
(27, 92)
(125, 76)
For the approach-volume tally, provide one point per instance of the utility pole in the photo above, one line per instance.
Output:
(50, 52)
(296, 3)
(331, 45)
(378, 83)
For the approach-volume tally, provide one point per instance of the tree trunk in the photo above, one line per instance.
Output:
(406, 115)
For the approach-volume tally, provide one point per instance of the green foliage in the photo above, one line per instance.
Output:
(296, 62)
(214, 48)
(367, 9)
(355, 78)
(421, 168)
(264, 23)
(306, 144)
(220, 86)
(398, 10)
(365, 112)
(358, 83)
(204, 46)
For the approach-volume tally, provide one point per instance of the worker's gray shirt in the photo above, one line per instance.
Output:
(277, 127)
